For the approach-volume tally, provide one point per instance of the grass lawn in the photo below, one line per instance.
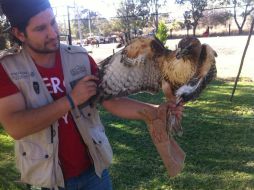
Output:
(218, 141)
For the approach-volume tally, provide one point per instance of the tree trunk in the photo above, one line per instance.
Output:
(240, 30)
(245, 14)
(194, 30)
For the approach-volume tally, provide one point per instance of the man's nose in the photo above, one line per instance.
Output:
(52, 32)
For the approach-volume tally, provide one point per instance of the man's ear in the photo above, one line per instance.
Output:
(18, 34)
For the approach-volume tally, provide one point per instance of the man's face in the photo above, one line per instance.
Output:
(42, 35)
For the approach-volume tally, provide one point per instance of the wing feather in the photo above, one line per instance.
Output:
(120, 76)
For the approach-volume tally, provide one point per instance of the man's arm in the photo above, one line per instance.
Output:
(131, 109)
(20, 122)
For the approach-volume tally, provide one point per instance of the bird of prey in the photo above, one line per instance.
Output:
(145, 65)
(188, 71)
(189, 68)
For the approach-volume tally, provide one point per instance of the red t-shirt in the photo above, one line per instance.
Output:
(73, 153)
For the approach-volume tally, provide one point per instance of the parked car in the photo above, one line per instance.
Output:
(101, 39)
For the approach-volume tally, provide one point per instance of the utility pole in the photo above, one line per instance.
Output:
(128, 36)
(89, 23)
(69, 25)
(79, 27)
(156, 15)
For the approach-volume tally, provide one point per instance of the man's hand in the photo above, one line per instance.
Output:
(170, 152)
(84, 89)
(165, 108)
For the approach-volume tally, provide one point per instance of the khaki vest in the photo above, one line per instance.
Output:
(37, 154)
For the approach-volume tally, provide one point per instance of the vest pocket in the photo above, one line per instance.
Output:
(102, 145)
(35, 163)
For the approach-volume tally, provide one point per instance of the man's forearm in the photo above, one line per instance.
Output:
(26, 122)
(128, 108)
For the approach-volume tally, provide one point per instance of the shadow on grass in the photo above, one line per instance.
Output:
(218, 141)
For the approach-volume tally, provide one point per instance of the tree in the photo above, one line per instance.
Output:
(3, 35)
(154, 9)
(133, 14)
(176, 25)
(3, 25)
(109, 26)
(155, 6)
(242, 9)
(195, 13)
(187, 21)
(216, 17)
(162, 33)
(88, 17)
(245, 7)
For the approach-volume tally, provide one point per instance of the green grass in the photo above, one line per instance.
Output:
(8, 174)
(218, 140)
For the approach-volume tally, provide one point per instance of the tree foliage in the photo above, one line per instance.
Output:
(187, 21)
(139, 13)
(216, 17)
(155, 6)
(193, 15)
(162, 33)
(88, 19)
(3, 36)
(242, 9)
(176, 25)
(245, 8)
(133, 14)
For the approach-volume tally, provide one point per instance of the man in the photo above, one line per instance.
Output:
(58, 144)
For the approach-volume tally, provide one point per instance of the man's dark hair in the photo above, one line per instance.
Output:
(19, 12)
(21, 28)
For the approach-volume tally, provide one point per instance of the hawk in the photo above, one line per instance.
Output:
(146, 65)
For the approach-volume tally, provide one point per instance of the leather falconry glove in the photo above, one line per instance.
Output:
(170, 152)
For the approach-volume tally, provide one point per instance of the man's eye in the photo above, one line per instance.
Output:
(40, 29)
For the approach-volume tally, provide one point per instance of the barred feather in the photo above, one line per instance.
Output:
(145, 65)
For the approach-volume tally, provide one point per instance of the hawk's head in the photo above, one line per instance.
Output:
(189, 48)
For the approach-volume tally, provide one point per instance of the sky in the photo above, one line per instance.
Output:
(107, 8)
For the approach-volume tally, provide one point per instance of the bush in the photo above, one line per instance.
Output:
(3, 41)
(162, 32)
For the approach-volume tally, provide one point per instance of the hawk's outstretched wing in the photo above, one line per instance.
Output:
(121, 76)
(131, 70)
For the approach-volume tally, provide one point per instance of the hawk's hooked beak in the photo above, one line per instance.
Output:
(181, 52)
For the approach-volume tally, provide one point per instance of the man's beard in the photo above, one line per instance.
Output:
(45, 50)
